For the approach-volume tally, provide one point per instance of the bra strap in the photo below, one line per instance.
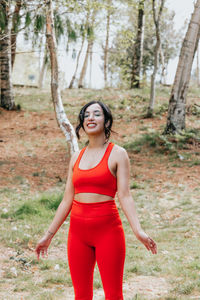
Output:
(108, 150)
(79, 157)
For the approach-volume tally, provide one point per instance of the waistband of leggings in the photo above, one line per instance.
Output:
(94, 209)
(95, 204)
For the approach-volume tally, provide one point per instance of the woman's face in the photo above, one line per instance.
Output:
(93, 119)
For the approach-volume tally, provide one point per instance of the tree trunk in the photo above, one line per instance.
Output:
(7, 100)
(105, 68)
(138, 48)
(198, 83)
(77, 63)
(163, 73)
(156, 56)
(43, 70)
(89, 49)
(177, 101)
(61, 117)
(91, 56)
(85, 64)
(14, 31)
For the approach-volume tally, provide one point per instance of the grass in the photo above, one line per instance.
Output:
(169, 213)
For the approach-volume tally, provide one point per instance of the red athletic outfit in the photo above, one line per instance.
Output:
(96, 233)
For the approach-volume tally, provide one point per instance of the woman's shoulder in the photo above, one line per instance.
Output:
(119, 151)
(74, 157)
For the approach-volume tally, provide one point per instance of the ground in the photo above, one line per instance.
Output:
(35, 156)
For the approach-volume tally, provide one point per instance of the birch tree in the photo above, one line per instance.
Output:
(177, 102)
(92, 8)
(163, 65)
(61, 117)
(82, 31)
(156, 54)
(105, 67)
(43, 68)
(197, 69)
(90, 39)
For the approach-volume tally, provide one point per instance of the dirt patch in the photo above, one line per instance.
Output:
(148, 286)
(34, 154)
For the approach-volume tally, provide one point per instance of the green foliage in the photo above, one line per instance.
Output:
(186, 289)
(82, 30)
(3, 20)
(16, 23)
(150, 140)
(59, 29)
(35, 207)
(39, 23)
(72, 35)
(90, 32)
(24, 210)
(162, 143)
(28, 19)
(134, 185)
(51, 201)
(121, 56)
(54, 280)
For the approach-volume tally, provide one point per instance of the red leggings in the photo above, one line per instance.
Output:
(96, 234)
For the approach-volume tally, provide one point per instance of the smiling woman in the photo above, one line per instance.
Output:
(98, 110)
(96, 233)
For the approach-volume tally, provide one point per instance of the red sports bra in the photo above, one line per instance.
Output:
(98, 180)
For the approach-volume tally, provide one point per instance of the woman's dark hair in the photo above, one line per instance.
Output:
(108, 119)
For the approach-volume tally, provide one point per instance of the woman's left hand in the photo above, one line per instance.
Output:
(147, 241)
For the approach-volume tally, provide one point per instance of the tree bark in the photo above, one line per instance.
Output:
(13, 30)
(138, 48)
(43, 70)
(7, 99)
(198, 83)
(89, 49)
(163, 72)
(91, 56)
(105, 68)
(156, 55)
(177, 102)
(77, 63)
(85, 64)
(61, 117)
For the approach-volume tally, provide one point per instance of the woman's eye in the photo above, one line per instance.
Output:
(97, 114)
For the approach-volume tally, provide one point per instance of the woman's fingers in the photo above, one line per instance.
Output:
(152, 245)
(39, 249)
(37, 252)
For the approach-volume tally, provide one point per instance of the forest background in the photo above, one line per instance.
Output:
(157, 123)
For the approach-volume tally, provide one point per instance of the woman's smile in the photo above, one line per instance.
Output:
(91, 125)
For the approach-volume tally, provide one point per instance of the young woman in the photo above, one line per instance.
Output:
(96, 232)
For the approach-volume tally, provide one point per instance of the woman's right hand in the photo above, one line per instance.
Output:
(42, 246)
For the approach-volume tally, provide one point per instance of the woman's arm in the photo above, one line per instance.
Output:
(61, 213)
(65, 205)
(126, 200)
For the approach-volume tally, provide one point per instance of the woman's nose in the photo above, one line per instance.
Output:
(91, 116)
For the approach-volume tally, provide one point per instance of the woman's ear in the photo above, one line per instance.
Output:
(107, 124)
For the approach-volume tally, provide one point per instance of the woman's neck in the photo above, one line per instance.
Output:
(97, 142)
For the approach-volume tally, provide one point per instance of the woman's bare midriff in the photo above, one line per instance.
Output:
(91, 197)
